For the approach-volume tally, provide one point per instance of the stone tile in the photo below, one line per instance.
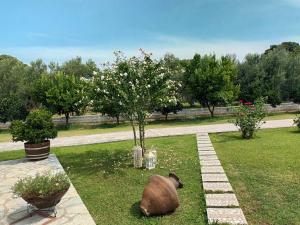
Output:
(221, 200)
(210, 163)
(217, 187)
(205, 139)
(203, 153)
(70, 210)
(205, 145)
(206, 149)
(226, 215)
(209, 157)
(203, 142)
(214, 178)
(212, 169)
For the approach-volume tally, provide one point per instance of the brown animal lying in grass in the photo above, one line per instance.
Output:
(160, 195)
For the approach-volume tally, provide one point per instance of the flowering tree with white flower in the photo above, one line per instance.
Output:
(104, 98)
(139, 85)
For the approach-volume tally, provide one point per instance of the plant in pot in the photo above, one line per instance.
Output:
(43, 190)
(36, 131)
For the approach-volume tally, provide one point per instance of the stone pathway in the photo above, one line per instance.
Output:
(161, 132)
(70, 210)
(222, 205)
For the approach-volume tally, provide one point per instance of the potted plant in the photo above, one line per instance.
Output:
(35, 131)
(43, 190)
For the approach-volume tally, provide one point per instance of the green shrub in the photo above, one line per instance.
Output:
(37, 127)
(297, 121)
(41, 185)
(249, 117)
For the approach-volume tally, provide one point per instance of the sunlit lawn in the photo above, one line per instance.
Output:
(111, 188)
(265, 173)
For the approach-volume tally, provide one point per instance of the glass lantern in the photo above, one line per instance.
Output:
(150, 161)
(137, 157)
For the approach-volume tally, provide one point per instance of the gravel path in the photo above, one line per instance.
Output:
(127, 135)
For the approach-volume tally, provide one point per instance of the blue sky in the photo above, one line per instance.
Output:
(56, 30)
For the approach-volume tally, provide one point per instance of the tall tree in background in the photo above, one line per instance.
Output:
(14, 89)
(63, 94)
(211, 80)
(76, 67)
(250, 78)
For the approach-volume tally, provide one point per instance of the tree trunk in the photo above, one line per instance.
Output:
(118, 119)
(133, 130)
(211, 109)
(67, 115)
(166, 116)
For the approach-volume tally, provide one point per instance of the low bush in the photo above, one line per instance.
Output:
(37, 127)
(297, 121)
(249, 117)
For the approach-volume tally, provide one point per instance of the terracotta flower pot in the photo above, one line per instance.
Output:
(46, 202)
(37, 151)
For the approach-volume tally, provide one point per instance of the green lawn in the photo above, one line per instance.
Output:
(265, 173)
(111, 188)
(85, 129)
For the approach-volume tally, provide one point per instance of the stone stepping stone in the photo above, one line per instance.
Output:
(206, 149)
(204, 141)
(212, 169)
(217, 187)
(205, 145)
(210, 163)
(209, 157)
(203, 138)
(203, 153)
(221, 200)
(214, 178)
(226, 215)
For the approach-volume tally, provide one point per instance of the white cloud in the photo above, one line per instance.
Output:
(161, 44)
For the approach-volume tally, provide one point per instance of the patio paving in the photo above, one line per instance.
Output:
(70, 210)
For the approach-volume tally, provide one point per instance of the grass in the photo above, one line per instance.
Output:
(111, 188)
(265, 173)
(86, 129)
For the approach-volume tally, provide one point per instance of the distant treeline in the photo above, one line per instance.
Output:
(273, 75)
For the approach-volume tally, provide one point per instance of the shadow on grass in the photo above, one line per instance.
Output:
(95, 161)
(230, 137)
(64, 127)
(135, 210)
(296, 131)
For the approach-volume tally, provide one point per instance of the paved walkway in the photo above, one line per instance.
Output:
(127, 135)
(70, 210)
(222, 205)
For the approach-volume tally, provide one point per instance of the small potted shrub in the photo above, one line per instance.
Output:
(42, 191)
(297, 121)
(35, 131)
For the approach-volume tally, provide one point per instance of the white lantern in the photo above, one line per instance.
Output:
(137, 157)
(149, 160)
(154, 152)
